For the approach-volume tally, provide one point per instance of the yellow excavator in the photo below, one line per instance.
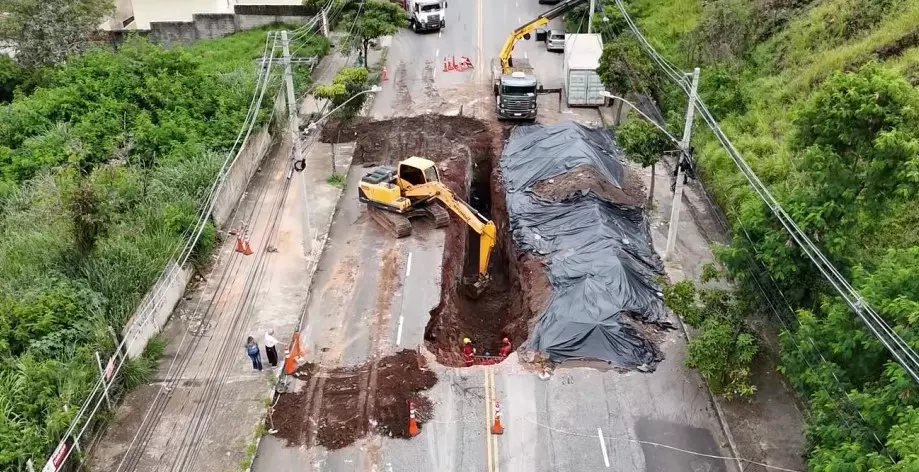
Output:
(414, 189)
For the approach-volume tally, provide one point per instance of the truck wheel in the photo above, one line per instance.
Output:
(443, 24)
(414, 26)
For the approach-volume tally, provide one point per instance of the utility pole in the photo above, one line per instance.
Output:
(684, 155)
(293, 125)
(590, 16)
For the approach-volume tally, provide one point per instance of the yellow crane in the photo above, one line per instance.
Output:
(524, 31)
(414, 189)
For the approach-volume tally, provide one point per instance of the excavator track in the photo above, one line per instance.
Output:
(397, 224)
(439, 214)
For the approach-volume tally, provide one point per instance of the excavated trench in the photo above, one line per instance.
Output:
(467, 151)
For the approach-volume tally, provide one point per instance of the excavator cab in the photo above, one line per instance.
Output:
(417, 171)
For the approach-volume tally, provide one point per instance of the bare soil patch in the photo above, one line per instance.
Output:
(346, 409)
(588, 178)
(436, 137)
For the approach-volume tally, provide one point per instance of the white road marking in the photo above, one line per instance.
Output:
(525, 55)
(399, 333)
(603, 447)
(440, 34)
(408, 265)
(437, 52)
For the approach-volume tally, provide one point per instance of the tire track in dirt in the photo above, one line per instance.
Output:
(404, 100)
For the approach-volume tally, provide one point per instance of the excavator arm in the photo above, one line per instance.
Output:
(481, 225)
(526, 29)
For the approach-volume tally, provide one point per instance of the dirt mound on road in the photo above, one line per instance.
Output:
(436, 137)
(339, 406)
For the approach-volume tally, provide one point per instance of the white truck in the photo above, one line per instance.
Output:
(582, 60)
(425, 15)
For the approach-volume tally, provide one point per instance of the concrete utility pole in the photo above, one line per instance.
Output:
(684, 154)
(590, 16)
(293, 125)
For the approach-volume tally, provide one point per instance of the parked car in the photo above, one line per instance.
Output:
(555, 40)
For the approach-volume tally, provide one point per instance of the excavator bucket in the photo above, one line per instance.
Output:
(475, 286)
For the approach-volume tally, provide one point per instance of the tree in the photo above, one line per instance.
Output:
(45, 32)
(723, 349)
(347, 83)
(88, 215)
(644, 144)
(625, 68)
(369, 20)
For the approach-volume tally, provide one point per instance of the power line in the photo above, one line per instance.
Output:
(898, 348)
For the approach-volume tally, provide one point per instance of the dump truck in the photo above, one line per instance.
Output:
(515, 83)
(582, 60)
(425, 15)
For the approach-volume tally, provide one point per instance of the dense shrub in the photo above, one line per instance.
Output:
(102, 172)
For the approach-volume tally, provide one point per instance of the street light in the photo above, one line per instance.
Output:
(372, 89)
(634, 107)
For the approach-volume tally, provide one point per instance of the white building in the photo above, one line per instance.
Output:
(137, 14)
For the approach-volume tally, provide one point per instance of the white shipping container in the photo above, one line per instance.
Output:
(582, 60)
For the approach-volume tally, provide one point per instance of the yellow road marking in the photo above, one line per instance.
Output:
(494, 437)
(491, 439)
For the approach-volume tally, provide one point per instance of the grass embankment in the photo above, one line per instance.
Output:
(102, 171)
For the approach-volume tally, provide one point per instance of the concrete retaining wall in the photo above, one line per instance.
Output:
(217, 25)
(154, 310)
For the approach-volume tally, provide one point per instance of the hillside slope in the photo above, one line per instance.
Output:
(820, 98)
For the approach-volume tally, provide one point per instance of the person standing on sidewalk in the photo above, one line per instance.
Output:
(271, 349)
(254, 354)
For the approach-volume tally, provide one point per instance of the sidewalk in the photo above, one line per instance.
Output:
(202, 409)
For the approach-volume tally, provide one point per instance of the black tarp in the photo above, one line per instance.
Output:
(598, 254)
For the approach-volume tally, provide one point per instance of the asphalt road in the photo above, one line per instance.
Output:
(579, 419)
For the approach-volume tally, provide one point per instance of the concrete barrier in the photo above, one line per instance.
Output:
(155, 309)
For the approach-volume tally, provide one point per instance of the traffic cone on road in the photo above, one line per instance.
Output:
(412, 423)
(239, 244)
(247, 250)
(496, 428)
(446, 65)
(384, 76)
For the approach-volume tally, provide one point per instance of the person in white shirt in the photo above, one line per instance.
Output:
(271, 348)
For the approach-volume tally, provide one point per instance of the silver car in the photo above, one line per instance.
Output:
(555, 40)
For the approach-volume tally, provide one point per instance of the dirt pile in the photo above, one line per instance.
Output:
(336, 407)
(436, 137)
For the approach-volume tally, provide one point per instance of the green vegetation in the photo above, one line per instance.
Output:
(369, 20)
(341, 92)
(644, 144)
(724, 347)
(102, 171)
(45, 32)
(337, 180)
(820, 99)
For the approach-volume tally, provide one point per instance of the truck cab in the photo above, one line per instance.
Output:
(425, 15)
(515, 92)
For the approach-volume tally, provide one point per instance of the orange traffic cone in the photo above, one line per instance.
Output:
(290, 365)
(239, 244)
(496, 428)
(412, 423)
(247, 250)
(446, 65)
(384, 76)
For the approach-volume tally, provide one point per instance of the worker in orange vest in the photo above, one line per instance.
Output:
(468, 351)
(506, 348)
